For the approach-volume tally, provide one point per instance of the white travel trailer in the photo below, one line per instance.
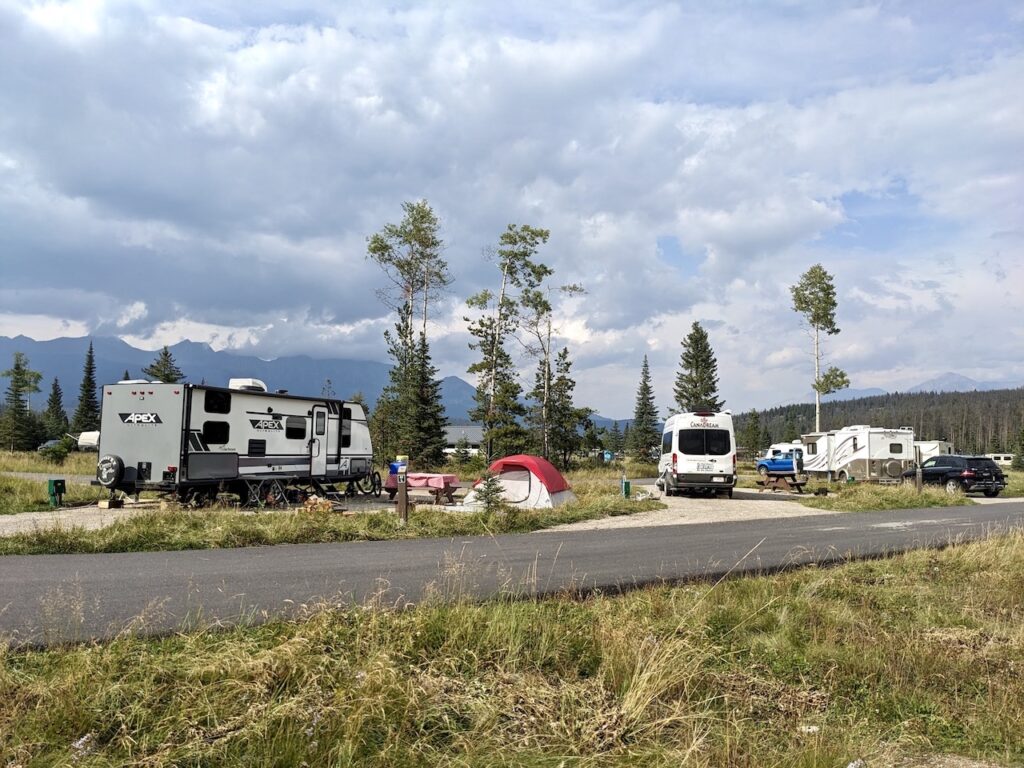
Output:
(861, 452)
(926, 449)
(698, 453)
(197, 440)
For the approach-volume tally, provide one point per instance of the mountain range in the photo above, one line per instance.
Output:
(303, 375)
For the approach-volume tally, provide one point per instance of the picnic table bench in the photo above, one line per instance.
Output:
(782, 483)
(441, 486)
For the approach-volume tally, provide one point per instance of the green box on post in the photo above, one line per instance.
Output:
(625, 488)
(56, 488)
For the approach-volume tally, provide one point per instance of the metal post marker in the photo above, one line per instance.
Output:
(403, 496)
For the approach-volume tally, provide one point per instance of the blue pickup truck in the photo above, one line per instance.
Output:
(788, 463)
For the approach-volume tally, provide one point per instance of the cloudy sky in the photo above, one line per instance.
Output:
(212, 171)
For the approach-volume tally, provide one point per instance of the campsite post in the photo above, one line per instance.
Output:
(403, 495)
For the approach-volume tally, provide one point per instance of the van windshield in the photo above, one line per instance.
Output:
(704, 442)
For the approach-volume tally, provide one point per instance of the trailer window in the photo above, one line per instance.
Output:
(895, 447)
(812, 449)
(346, 427)
(216, 432)
(218, 402)
(321, 423)
(295, 428)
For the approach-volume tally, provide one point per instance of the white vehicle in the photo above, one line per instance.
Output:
(698, 453)
(197, 440)
(860, 452)
(1003, 459)
(926, 449)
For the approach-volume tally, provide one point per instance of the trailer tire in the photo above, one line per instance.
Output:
(110, 470)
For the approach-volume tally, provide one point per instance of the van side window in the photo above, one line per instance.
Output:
(346, 427)
(216, 432)
(666, 443)
(217, 402)
(295, 428)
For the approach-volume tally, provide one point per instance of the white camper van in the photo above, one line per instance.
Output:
(860, 452)
(698, 453)
(196, 440)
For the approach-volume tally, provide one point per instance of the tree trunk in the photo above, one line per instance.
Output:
(817, 377)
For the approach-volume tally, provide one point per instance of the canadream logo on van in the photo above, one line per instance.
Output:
(267, 425)
(703, 424)
(140, 418)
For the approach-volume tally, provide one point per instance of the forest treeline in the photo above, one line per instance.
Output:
(975, 422)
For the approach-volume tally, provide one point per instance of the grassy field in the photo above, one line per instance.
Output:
(77, 463)
(890, 661)
(861, 497)
(173, 529)
(17, 495)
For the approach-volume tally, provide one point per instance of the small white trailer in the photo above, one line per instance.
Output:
(926, 449)
(860, 452)
(195, 441)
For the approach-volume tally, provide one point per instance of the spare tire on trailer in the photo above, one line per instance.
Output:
(110, 470)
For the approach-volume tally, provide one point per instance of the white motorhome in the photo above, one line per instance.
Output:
(926, 449)
(196, 440)
(698, 453)
(860, 452)
(1003, 459)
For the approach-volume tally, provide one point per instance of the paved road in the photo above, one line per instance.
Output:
(55, 598)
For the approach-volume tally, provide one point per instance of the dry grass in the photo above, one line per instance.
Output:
(886, 661)
(77, 463)
(862, 497)
(17, 495)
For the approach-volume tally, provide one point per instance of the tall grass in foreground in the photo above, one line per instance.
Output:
(882, 661)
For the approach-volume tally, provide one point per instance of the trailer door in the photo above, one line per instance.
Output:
(318, 442)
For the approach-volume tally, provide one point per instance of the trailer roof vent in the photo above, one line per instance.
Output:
(247, 385)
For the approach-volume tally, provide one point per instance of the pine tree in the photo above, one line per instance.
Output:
(750, 438)
(164, 369)
(766, 438)
(126, 376)
(644, 434)
(498, 391)
(814, 297)
(427, 441)
(87, 414)
(55, 418)
(696, 386)
(565, 420)
(615, 442)
(20, 430)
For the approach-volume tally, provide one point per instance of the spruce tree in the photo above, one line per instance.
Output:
(55, 418)
(750, 438)
(164, 369)
(127, 376)
(20, 430)
(427, 439)
(696, 386)
(87, 414)
(565, 420)
(644, 434)
(614, 441)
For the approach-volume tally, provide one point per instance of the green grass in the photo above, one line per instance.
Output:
(215, 528)
(883, 661)
(77, 463)
(17, 495)
(865, 497)
(1014, 483)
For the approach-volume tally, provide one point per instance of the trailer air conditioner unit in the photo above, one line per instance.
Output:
(247, 385)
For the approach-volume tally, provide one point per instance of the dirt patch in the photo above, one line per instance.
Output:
(685, 510)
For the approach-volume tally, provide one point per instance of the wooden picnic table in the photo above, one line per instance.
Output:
(441, 486)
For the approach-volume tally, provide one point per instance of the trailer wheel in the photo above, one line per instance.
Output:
(110, 470)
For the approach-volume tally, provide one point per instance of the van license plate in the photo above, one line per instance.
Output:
(705, 467)
(718, 479)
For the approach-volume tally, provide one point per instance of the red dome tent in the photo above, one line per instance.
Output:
(528, 481)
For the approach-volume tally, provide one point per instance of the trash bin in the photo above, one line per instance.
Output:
(625, 488)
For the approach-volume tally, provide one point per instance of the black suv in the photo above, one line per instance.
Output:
(961, 473)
